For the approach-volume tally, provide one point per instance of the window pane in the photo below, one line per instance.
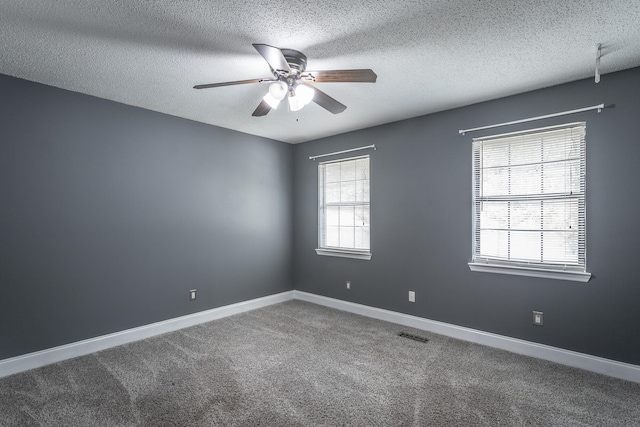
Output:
(362, 169)
(332, 237)
(362, 237)
(523, 151)
(562, 177)
(495, 182)
(560, 247)
(332, 192)
(332, 216)
(494, 244)
(347, 216)
(348, 191)
(493, 155)
(526, 180)
(494, 215)
(332, 172)
(526, 215)
(561, 215)
(362, 216)
(525, 246)
(362, 191)
(347, 237)
(348, 171)
(559, 146)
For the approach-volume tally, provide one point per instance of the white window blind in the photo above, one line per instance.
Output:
(343, 205)
(529, 199)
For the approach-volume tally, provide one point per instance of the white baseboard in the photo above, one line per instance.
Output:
(81, 348)
(599, 365)
(574, 359)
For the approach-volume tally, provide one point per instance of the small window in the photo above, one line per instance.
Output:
(343, 208)
(529, 203)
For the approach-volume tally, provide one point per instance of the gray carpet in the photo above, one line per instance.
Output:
(299, 364)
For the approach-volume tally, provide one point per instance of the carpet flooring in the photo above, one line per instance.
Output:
(300, 364)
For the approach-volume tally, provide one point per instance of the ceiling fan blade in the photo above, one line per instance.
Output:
(339, 76)
(273, 56)
(262, 109)
(327, 102)
(239, 82)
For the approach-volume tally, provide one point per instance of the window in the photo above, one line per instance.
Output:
(343, 208)
(529, 203)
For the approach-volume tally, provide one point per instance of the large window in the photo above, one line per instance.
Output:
(343, 208)
(529, 203)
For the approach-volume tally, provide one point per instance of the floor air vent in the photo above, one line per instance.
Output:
(412, 337)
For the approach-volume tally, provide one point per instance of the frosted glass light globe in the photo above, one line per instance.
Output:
(305, 93)
(278, 90)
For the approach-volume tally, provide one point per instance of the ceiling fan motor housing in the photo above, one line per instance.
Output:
(298, 63)
(296, 60)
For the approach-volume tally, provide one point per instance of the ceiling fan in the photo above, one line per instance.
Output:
(290, 79)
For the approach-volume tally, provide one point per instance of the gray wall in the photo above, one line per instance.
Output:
(421, 224)
(110, 214)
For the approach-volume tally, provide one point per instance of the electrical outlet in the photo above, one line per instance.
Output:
(192, 295)
(537, 318)
(348, 284)
(412, 296)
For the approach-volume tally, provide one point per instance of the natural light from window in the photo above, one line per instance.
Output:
(343, 208)
(529, 202)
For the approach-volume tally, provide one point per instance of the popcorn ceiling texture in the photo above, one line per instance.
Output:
(429, 55)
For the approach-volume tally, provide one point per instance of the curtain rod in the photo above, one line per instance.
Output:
(563, 113)
(342, 152)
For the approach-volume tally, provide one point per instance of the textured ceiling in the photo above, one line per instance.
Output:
(429, 55)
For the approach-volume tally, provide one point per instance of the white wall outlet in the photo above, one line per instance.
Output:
(348, 284)
(192, 295)
(412, 296)
(537, 318)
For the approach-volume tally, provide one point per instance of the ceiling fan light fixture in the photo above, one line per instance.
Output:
(302, 96)
(295, 104)
(278, 90)
(305, 93)
(271, 100)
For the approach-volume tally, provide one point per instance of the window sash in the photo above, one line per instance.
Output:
(529, 198)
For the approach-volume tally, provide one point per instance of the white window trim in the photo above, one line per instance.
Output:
(342, 252)
(576, 276)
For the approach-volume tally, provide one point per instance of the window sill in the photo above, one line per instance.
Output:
(344, 254)
(576, 276)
